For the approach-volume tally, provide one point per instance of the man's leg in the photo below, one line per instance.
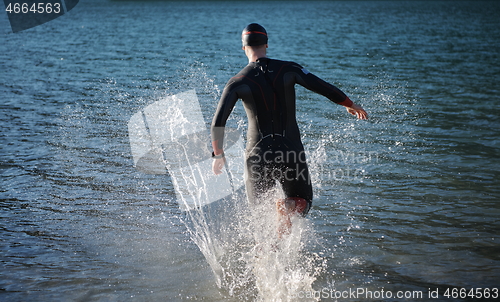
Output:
(298, 189)
(287, 208)
(258, 181)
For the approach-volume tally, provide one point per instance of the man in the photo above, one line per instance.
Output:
(274, 151)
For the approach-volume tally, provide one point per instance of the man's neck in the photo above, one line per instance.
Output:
(254, 55)
(255, 59)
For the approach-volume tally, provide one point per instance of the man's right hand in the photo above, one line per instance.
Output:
(358, 111)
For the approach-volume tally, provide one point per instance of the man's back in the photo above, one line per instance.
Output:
(267, 88)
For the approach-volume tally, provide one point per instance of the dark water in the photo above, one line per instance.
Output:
(407, 201)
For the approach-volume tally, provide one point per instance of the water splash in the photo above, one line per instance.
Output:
(240, 243)
(249, 260)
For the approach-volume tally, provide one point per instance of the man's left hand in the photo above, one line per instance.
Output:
(218, 165)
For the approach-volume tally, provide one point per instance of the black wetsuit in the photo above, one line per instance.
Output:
(274, 150)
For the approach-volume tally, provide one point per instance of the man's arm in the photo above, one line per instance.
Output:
(224, 109)
(313, 83)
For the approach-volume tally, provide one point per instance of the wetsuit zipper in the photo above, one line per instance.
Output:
(265, 71)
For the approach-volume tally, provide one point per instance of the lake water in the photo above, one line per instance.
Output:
(407, 204)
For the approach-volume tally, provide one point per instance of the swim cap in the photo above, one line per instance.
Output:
(254, 35)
